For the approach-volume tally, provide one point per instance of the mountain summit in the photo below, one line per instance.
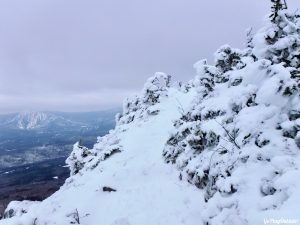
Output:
(222, 149)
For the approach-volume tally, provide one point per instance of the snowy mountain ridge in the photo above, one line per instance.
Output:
(221, 149)
(29, 120)
(32, 120)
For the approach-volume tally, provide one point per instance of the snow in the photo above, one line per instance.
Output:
(148, 190)
(221, 149)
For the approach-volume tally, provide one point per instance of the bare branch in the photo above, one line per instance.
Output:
(232, 137)
(180, 107)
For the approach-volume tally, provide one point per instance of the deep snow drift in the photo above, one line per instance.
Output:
(221, 149)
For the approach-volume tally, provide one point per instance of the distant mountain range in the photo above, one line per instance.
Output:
(29, 120)
(29, 137)
(46, 120)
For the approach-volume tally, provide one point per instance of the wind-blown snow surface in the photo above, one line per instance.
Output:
(232, 135)
(148, 190)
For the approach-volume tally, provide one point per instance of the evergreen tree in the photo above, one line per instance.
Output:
(281, 40)
(276, 7)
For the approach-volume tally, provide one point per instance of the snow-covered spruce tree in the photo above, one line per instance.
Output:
(155, 88)
(143, 105)
(276, 7)
(187, 128)
(82, 158)
(76, 159)
(279, 40)
(242, 133)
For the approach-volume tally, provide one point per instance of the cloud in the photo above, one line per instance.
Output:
(80, 101)
(57, 49)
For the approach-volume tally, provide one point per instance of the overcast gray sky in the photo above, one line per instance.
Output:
(82, 55)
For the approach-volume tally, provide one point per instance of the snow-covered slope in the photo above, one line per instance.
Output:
(148, 190)
(222, 149)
